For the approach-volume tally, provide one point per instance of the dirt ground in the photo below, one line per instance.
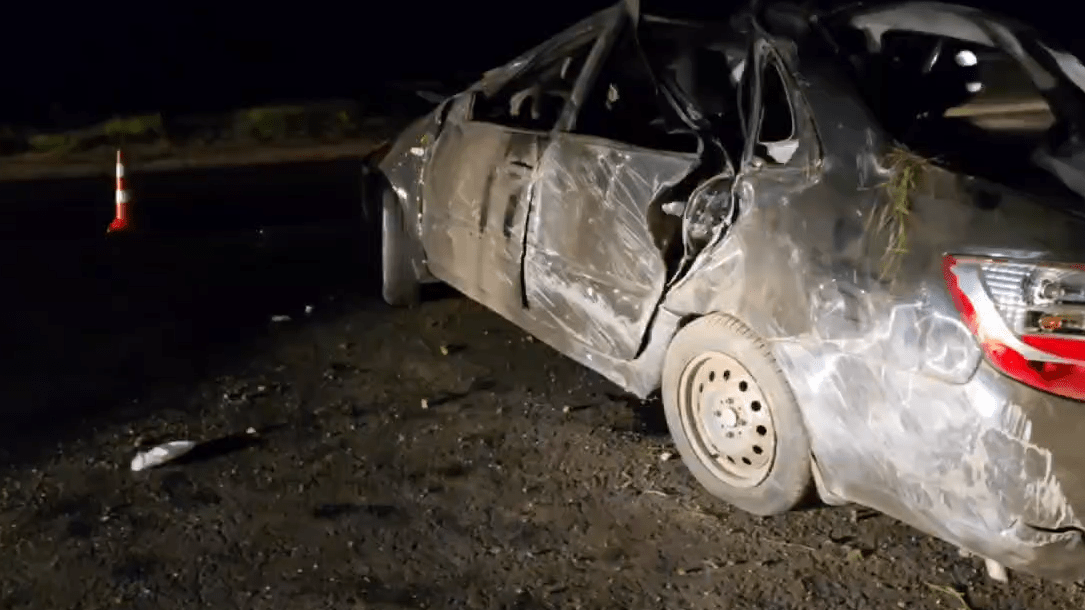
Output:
(433, 458)
(427, 458)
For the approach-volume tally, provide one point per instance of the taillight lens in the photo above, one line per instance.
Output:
(1028, 316)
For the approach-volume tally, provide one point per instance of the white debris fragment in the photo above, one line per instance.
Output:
(430, 96)
(308, 310)
(665, 456)
(566, 409)
(425, 403)
(280, 319)
(156, 456)
(251, 431)
(996, 571)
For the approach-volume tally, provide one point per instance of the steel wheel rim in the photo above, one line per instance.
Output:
(727, 419)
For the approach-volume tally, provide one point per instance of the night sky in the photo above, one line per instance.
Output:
(182, 56)
(103, 57)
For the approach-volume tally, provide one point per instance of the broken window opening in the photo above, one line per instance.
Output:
(694, 60)
(962, 104)
(535, 99)
(776, 135)
(623, 105)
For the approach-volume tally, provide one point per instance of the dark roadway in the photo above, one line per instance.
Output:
(90, 322)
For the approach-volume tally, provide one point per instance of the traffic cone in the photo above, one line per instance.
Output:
(120, 220)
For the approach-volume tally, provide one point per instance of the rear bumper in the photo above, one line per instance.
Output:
(1056, 556)
(1046, 498)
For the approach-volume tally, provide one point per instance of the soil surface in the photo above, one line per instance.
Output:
(434, 457)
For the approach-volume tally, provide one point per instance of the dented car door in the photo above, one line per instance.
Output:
(595, 263)
(476, 202)
(479, 180)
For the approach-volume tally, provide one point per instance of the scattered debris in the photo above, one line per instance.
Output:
(950, 591)
(665, 456)
(795, 545)
(430, 96)
(308, 310)
(280, 319)
(252, 431)
(156, 456)
(854, 554)
(566, 409)
(425, 404)
(996, 571)
(862, 514)
(444, 350)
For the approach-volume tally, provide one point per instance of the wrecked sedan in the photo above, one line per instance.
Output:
(846, 246)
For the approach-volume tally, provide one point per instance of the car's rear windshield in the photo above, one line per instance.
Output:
(967, 105)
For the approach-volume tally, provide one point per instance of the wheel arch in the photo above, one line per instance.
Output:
(748, 342)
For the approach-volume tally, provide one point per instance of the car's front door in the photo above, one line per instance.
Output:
(480, 174)
(599, 248)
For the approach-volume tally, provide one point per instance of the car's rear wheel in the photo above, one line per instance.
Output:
(399, 283)
(734, 418)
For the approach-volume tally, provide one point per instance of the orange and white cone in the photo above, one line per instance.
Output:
(120, 220)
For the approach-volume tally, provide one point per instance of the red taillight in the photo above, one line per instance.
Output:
(1029, 317)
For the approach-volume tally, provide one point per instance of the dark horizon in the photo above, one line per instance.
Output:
(195, 57)
(102, 59)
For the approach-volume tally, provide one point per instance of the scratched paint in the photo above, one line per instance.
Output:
(569, 237)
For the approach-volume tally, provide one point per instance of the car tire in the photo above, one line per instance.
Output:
(734, 418)
(399, 284)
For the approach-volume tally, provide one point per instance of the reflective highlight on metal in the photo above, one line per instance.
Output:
(944, 392)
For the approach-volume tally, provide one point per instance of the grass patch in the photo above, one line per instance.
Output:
(53, 143)
(890, 219)
(345, 122)
(329, 121)
(146, 127)
(271, 122)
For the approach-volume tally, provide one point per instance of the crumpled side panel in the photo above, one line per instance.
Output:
(593, 264)
(403, 165)
(902, 413)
